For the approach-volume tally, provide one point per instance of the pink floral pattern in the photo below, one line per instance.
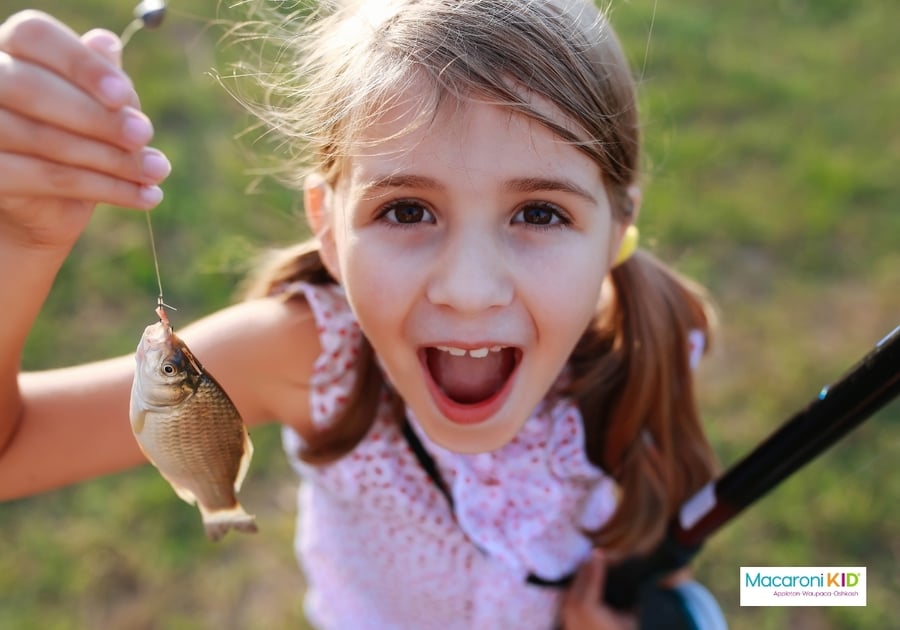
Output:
(379, 543)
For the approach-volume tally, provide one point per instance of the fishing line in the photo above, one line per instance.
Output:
(159, 300)
(149, 14)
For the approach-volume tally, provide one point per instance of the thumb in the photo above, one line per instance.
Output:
(598, 574)
(590, 580)
(109, 45)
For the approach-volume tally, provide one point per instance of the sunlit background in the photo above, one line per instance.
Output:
(772, 150)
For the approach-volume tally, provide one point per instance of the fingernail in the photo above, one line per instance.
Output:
(111, 43)
(103, 40)
(115, 89)
(155, 165)
(151, 195)
(137, 128)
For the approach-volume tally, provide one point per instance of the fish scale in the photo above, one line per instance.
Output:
(185, 452)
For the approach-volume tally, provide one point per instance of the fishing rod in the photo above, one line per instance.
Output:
(837, 409)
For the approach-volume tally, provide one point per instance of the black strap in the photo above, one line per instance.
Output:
(426, 461)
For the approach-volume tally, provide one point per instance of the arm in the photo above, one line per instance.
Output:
(65, 145)
(583, 607)
(675, 602)
(74, 421)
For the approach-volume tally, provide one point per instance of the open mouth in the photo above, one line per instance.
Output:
(469, 383)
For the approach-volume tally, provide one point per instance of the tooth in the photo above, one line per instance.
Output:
(457, 352)
(443, 348)
(478, 353)
(496, 348)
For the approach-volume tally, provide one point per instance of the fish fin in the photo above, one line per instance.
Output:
(183, 493)
(146, 454)
(245, 462)
(137, 418)
(217, 522)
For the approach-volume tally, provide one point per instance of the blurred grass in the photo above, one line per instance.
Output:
(772, 141)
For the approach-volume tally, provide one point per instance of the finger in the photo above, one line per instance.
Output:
(34, 92)
(597, 584)
(24, 175)
(587, 587)
(42, 40)
(24, 136)
(106, 43)
(578, 591)
(110, 46)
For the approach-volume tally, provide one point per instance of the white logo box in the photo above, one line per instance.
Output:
(803, 586)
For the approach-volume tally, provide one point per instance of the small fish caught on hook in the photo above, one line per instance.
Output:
(188, 428)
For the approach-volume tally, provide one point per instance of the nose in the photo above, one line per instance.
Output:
(470, 274)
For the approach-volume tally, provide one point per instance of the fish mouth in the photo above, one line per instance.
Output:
(470, 383)
(155, 336)
(158, 333)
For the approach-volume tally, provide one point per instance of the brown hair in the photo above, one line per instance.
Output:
(632, 378)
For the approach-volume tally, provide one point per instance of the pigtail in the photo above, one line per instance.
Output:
(634, 385)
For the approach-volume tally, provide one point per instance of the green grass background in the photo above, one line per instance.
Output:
(772, 145)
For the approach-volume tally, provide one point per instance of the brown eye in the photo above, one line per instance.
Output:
(407, 212)
(540, 215)
(537, 215)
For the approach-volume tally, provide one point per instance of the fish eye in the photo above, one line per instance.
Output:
(169, 369)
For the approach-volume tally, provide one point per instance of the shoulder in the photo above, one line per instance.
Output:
(262, 352)
(262, 324)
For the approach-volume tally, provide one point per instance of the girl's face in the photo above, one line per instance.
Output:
(473, 252)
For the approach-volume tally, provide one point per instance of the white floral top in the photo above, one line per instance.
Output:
(379, 543)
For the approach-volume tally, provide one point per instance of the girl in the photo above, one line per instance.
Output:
(478, 381)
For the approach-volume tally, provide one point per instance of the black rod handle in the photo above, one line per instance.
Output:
(838, 408)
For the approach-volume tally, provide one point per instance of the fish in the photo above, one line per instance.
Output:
(190, 430)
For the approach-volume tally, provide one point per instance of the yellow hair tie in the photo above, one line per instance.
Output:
(627, 246)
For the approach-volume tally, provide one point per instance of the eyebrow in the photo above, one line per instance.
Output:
(518, 184)
(545, 184)
(388, 182)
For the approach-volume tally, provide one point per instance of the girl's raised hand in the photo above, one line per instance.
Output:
(71, 132)
(583, 607)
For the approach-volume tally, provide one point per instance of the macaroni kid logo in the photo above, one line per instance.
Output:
(803, 586)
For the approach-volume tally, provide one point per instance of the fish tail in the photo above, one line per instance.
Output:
(218, 522)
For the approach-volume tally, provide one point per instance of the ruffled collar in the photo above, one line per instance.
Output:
(528, 503)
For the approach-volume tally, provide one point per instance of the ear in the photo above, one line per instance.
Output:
(636, 195)
(317, 196)
(619, 228)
